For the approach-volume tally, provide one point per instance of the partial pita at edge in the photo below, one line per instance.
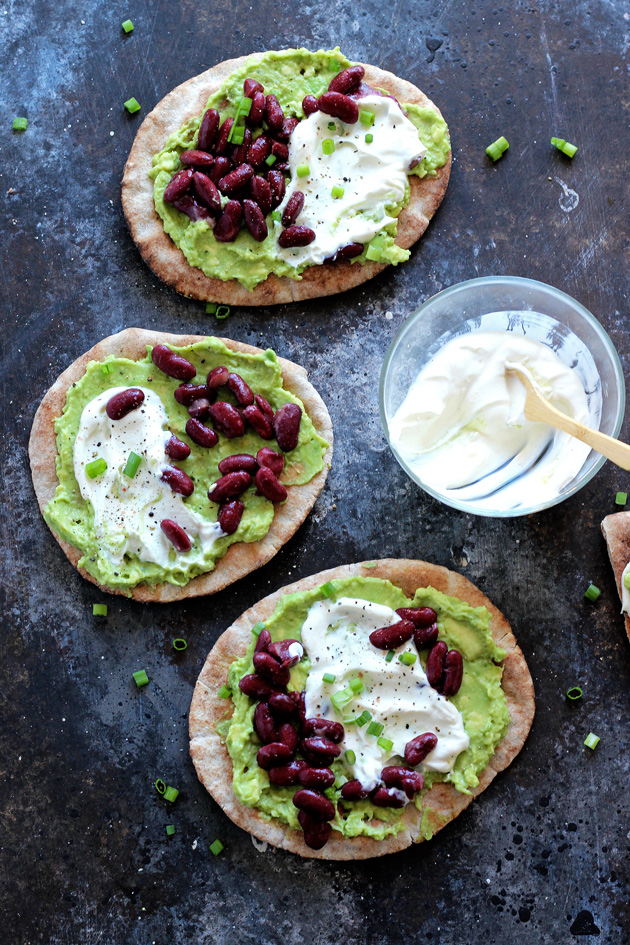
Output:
(616, 531)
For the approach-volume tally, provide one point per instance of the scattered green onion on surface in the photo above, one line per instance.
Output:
(341, 698)
(222, 312)
(574, 693)
(132, 105)
(132, 465)
(592, 592)
(373, 253)
(106, 368)
(328, 677)
(497, 149)
(140, 678)
(271, 160)
(328, 145)
(350, 719)
(562, 145)
(364, 718)
(385, 743)
(238, 136)
(390, 656)
(332, 126)
(258, 628)
(302, 170)
(328, 589)
(245, 105)
(216, 846)
(375, 728)
(224, 692)
(96, 468)
(20, 124)
(350, 756)
(170, 830)
(366, 117)
(127, 26)
(99, 610)
(160, 786)
(211, 308)
(621, 498)
(369, 138)
(339, 781)
(407, 658)
(179, 644)
(337, 191)
(591, 740)
(171, 794)
(356, 685)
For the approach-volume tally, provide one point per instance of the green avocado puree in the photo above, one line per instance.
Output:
(290, 75)
(480, 700)
(71, 517)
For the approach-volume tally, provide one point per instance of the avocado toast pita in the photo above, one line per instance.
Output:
(616, 531)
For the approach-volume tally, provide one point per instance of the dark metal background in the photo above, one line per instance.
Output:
(542, 856)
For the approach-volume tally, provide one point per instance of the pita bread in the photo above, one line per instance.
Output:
(616, 529)
(240, 558)
(168, 262)
(442, 802)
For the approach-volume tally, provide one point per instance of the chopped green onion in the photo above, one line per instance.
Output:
(337, 191)
(350, 756)
(224, 692)
(170, 830)
(328, 589)
(364, 718)
(106, 368)
(339, 781)
(20, 124)
(390, 656)
(328, 677)
(356, 685)
(302, 170)
(128, 27)
(407, 658)
(328, 145)
(385, 743)
(132, 106)
(96, 468)
(369, 138)
(342, 698)
(621, 498)
(171, 794)
(211, 308)
(179, 644)
(350, 719)
(140, 678)
(132, 466)
(160, 786)
(271, 160)
(238, 135)
(497, 149)
(370, 564)
(375, 728)
(222, 312)
(216, 847)
(99, 610)
(245, 105)
(562, 145)
(332, 126)
(591, 740)
(276, 215)
(592, 592)
(366, 117)
(574, 692)
(258, 628)
(373, 253)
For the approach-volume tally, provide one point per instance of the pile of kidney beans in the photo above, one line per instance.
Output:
(240, 171)
(240, 470)
(281, 725)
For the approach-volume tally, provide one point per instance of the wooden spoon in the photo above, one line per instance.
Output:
(538, 408)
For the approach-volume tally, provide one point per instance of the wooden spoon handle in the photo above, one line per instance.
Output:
(541, 410)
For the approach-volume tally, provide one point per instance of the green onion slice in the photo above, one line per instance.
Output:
(407, 658)
(179, 644)
(350, 756)
(96, 468)
(271, 160)
(356, 685)
(258, 628)
(132, 106)
(132, 466)
(106, 368)
(328, 145)
(364, 718)
(171, 794)
(128, 27)
(563, 145)
(222, 312)
(224, 692)
(211, 308)
(337, 191)
(390, 656)
(621, 498)
(160, 786)
(373, 253)
(238, 135)
(339, 781)
(141, 678)
(385, 743)
(591, 740)
(216, 846)
(20, 124)
(332, 126)
(170, 830)
(328, 677)
(375, 728)
(350, 719)
(497, 149)
(369, 138)
(366, 117)
(574, 692)
(328, 589)
(592, 592)
(341, 698)
(302, 170)
(99, 610)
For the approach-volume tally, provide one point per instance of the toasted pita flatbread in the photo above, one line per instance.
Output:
(169, 263)
(441, 804)
(616, 529)
(240, 558)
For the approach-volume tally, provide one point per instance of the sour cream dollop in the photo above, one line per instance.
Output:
(128, 512)
(372, 175)
(335, 636)
(462, 425)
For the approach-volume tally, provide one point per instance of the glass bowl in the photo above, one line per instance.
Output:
(508, 303)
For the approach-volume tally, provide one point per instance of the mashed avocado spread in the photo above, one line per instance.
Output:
(291, 75)
(481, 702)
(72, 518)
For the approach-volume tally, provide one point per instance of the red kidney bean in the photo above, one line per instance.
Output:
(272, 460)
(389, 797)
(257, 110)
(227, 419)
(239, 152)
(197, 158)
(221, 167)
(282, 707)
(172, 364)
(124, 402)
(238, 461)
(453, 673)
(259, 151)
(324, 728)
(207, 191)
(365, 89)
(419, 747)
(287, 775)
(435, 664)
(350, 251)
(199, 407)
(176, 535)
(288, 126)
(316, 832)
(258, 422)
(191, 207)
(296, 236)
(261, 193)
(402, 778)
(353, 791)
(186, 393)
(255, 220)
(236, 179)
(277, 187)
(419, 616)
(286, 425)
(176, 449)
(264, 406)
(263, 642)
(229, 222)
(222, 142)
(288, 736)
(339, 106)
(314, 804)
(268, 485)
(388, 638)
(273, 113)
(229, 486)
(269, 668)
(348, 80)
(320, 750)
(178, 480)
(255, 686)
(241, 390)
(412, 784)
(317, 779)
(300, 701)
(309, 105)
(208, 129)
(283, 167)
(280, 651)
(292, 208)
(273, 754)
(264, 725)
(200, 434)
(425, 636)
(178, 185)
(218, 377)
(280, 151)
(230, 516)
(250, 86)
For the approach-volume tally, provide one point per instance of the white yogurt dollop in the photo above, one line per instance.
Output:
(373, 176)
(336, 640)
(128, 512)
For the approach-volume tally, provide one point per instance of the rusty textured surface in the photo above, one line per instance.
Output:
(542, 856)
